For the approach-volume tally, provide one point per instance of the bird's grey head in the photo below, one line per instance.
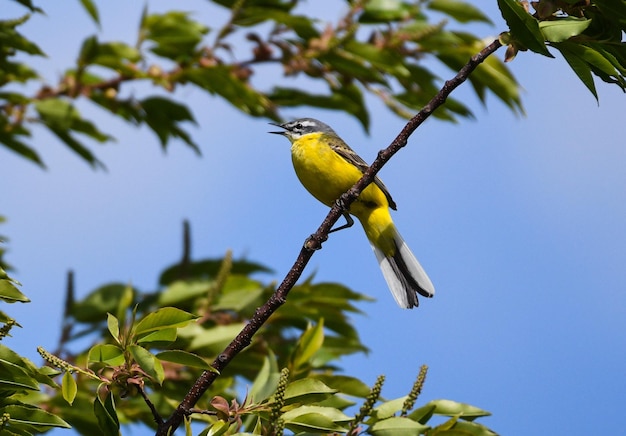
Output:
(303, 126)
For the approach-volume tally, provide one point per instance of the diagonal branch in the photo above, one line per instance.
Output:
(314, 242)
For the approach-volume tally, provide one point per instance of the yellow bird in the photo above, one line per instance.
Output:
(328, 167)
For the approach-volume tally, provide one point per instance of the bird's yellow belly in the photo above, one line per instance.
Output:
(327, 175)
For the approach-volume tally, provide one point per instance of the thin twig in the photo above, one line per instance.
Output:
(243, 339)
(155, 414)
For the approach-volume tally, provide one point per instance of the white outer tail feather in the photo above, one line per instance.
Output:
(405, 296)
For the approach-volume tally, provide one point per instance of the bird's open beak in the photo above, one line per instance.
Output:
(278, 133)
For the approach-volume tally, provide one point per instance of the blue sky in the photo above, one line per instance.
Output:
(519, 222)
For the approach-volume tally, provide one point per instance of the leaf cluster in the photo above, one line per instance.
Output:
(128, 356)
(587, 34)
(377, 47)
(20, 379)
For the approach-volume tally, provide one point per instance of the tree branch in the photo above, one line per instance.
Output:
(243, 339)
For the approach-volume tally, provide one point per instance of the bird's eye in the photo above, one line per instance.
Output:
(298, 126)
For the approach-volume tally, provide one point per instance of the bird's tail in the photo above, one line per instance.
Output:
(404, 275)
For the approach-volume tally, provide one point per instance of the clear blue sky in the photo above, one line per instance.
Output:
(520, 223)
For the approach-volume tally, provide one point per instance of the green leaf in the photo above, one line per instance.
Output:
(348, 99)
(223, 81)
(382, 11)
(563, 28)
(524, 28)
(315, 419)
(461, 11)
(109, 354)
(309, 343)
(68, 387)
(211, 340)
(95, 306)
(14, 377)
(10, 293)
(183, 290)
(239, 293)
(302, 25)
(465, 428)
(306, 391)
(579, 66)
(164, 117)
(114, 327)
(185, 358)
(174, 34)
(397, 426)
(388, 408)
(163, 318)
(106, 415)
(32, 416)
(266, 380)
(14, 40)
(148, 362)
(386, 60)
(159, 337)
(9, 140)
(92, 10)
(209, 268)
(345, 384)
(61, 117)
(454, 408)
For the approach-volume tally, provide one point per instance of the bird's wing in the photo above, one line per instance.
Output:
(344, 150)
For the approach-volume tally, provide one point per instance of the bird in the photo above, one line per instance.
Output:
(327, 167)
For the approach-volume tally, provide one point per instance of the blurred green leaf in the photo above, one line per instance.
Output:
(397, 426)
(95, 306)
(114, 55)
(183, 290)
(185, 358)
(348, 99)
(238, 293)
(211, 340)
(11, 39)
(454, 408)
(463, 12)
(174, 34)
(266, 380)
(164, 117)
(208, 268)
(382, 11)
(92, 10)
(309, 343)
(61, 117)
(163, 318)
(19, 147)
(223, 81)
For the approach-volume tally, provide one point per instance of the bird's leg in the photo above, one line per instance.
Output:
(346, 215)
(313, 243)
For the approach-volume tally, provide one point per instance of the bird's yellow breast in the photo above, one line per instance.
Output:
(327, 175)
